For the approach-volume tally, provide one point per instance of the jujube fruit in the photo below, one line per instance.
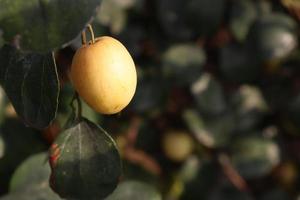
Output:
(104, 75)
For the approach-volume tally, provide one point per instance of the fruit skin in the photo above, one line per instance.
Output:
(104, 75)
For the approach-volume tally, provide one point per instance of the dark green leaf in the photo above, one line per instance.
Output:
(209, 95)
(184, 63)
(254, 156)
(130, 190)
(238, 65)
(31, 83)
(204, 16)
(242, 15)
(85, 162)
(273, 37)
(42, 24)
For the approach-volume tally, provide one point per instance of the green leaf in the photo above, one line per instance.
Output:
(184, 62)
(209, 95)
(34, 170)
(85, 162)
(31, 180)
(273, 37)
(38, 192)
(242, 15)
(129, 190)
(19, 142)
(45, 24)
(237, 64)
(204, 16)
(254, 156)
(30, 81)
(209, 132)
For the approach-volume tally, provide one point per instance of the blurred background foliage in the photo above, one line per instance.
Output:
(216, 114)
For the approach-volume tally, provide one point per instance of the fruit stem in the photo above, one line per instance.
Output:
(83, 38)
(89, 26)
(79, 107)
(83, 34)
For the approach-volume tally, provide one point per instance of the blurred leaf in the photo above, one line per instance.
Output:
(204, 16)
(237, 64)
(44, 25)
(254, 156)
(112, 14)
(149, 95)
(37, 192)
(183, 63)
(34, 170)
(2, 147)
(275, 194)
(129, 190)
(242, 15)
(209, 96)
(1, 38)
(85, 162)
(170, 14)
(31, 180)
(272, 37)
(226, 191)
(35, 89)
(203, 183)
(19, 142)
(211, 133)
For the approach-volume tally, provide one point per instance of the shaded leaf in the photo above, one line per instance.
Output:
(34, 170)
(36, 192)
(242, 15)
(209, 95)
(238, 65)
(254, 156)
(19, 142)
(183, 63)
(44, 25)
(129, 190)
(273, 37)
(85, 162)
(204, 16)
(211, 133)
(30, 81)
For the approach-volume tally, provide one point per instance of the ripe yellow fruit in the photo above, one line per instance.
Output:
(177, 145)
(104, 75)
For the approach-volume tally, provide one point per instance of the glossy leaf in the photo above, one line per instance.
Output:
(85, 162)
(31, 83)
(44, 25)
(129, 190)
